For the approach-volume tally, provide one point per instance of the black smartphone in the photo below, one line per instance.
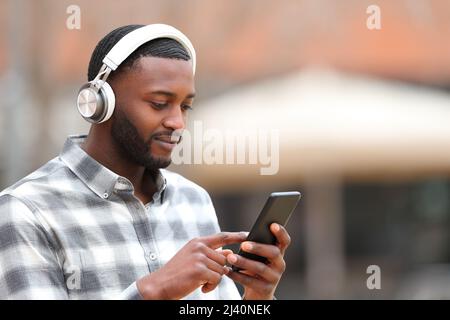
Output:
(278, 208)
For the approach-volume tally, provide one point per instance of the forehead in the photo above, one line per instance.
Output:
(157, 70)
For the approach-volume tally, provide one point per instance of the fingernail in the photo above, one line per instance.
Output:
(247, 246)
(276, 227)
(232, 258)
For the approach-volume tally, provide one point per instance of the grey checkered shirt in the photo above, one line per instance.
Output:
(73, 229)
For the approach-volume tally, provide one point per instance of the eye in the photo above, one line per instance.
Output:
(186, 107)
(158, 106)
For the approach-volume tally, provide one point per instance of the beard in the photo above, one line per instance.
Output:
(132, 146)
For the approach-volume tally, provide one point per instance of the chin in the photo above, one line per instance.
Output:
(157, 162)
(165, 164)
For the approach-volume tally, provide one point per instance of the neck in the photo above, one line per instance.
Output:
(108, 154)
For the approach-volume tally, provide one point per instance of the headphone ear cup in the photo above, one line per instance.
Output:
(89, 103)
(109, 102)
(96, 107)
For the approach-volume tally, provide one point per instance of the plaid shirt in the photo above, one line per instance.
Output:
(74, 230)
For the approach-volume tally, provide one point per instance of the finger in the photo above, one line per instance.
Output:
(246, 272)
(268, 251)
(216, 256)
(216, 267)
(224, 238)
(224, 252)
(259, 269)
(213, 282)
(271, 252)
(247, 281)
(283, 238)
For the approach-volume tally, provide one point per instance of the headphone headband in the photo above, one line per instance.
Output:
(131, 41)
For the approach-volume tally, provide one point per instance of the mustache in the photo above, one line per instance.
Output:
(173, 135)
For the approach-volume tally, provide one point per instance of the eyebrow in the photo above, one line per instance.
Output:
(171, 94)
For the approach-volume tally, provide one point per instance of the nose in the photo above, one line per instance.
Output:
(175, 120)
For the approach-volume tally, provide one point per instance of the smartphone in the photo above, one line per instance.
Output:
(278, 208)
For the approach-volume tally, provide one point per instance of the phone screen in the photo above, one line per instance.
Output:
(278, 208)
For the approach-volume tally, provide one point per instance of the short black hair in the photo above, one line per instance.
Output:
(161, 47)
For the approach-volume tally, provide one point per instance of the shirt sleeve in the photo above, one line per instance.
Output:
(131, 293)
(29, 266)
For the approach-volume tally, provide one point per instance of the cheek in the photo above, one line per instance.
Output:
(144, 118)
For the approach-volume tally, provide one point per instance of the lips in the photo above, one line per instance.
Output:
(166, 139)
(165, 142)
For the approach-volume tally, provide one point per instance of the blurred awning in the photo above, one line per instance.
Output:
(331, 124)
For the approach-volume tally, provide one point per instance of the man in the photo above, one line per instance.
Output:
(105, 220)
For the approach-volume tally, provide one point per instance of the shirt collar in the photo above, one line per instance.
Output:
(97, 177)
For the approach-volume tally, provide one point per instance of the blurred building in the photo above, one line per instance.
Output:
(362, 116)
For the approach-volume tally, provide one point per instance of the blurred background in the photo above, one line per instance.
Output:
(363, 117)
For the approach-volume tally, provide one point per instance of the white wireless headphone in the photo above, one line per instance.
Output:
(96, 100)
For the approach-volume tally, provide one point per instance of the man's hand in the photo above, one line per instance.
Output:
(260, 280)
(197, 264)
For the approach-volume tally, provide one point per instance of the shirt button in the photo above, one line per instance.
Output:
(152, 256)
(105, 195)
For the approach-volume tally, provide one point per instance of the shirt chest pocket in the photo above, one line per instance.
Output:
(93, 271)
